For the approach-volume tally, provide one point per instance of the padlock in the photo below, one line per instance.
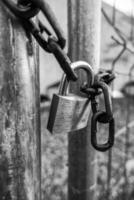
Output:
(69, 112)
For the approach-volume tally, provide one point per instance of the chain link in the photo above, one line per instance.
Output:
(48, 13)
(101, 81)
(25, 10)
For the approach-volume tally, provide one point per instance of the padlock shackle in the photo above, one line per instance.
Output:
(76, 66)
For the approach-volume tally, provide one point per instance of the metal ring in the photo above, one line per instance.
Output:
(107, 98)
(110, 141)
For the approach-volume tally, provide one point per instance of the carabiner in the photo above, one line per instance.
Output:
(110, 141)
(21, 11)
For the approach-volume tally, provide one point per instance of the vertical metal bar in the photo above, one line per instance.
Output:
(126, 149)
(127, 140)
(114, 13)
(19, 113)
(109, 174)
(84, 43)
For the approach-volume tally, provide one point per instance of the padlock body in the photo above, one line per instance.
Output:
(68, 113)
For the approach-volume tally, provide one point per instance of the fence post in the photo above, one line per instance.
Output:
(20, 163)
(84, 42)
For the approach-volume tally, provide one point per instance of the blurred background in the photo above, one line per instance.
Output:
(115, 169)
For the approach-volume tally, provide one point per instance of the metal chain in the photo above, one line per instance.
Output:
(25, 10)
(47, 11)
(102, 79)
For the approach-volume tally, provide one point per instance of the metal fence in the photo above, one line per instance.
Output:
(116, 168)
